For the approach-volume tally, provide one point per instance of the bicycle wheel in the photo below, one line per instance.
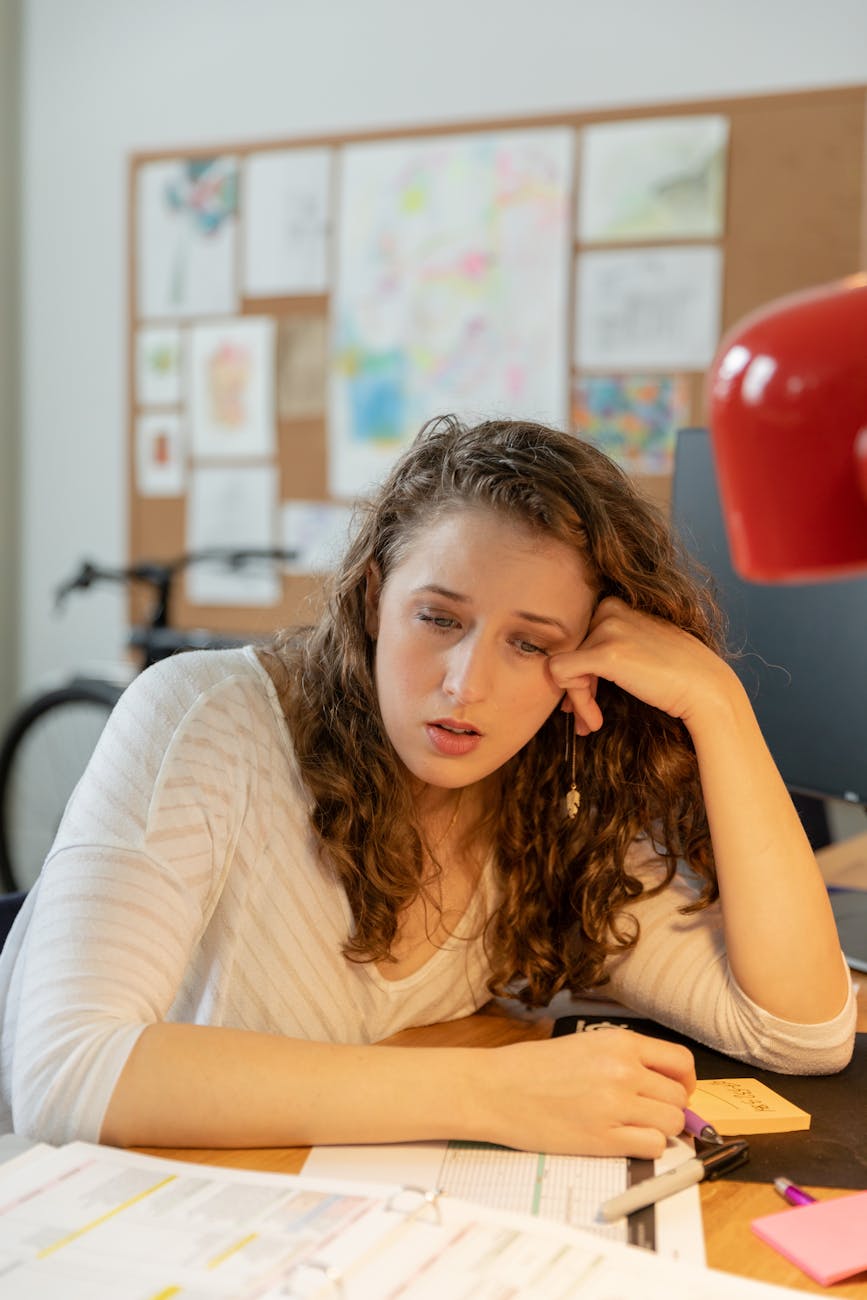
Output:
(44, 752)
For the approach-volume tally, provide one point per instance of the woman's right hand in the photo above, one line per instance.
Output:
(609, 1092)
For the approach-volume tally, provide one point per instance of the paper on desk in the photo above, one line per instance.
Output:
(741, 1106)
(560, 1189)
(96, 1223)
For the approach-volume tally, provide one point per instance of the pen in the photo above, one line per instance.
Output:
(719, 1161)
(792, 1193)
(699, 1128)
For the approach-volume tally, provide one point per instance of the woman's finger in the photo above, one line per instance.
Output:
(580, 700)
(640, 1143)
(671, 1060)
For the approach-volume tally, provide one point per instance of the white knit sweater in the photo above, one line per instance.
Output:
(184, 885)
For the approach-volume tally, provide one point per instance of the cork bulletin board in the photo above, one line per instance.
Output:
(299, 306)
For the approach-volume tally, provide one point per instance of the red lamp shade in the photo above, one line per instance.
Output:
(788, 420)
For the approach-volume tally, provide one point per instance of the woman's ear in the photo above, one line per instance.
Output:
(373, 587)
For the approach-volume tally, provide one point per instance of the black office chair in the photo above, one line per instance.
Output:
(10, 906)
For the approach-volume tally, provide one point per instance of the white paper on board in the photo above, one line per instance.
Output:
(653, 178)
(318, 531)
(160, 458)
(232, 506)
(650, 308)
(186, 219)
(287, 197)
(232, 388)
(158, 366)
(453, 259)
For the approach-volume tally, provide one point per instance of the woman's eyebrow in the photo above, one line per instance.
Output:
(437, 590)
(542, 618)
(457, 596)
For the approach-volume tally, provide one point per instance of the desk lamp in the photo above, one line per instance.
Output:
(788, 420)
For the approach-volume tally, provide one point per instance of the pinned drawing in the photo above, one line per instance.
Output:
(158, 360)
(648, 309)
(634, 418)
(160, 455)
(185, 233)
(232, 389)
(453, 256)
(658, 178)
(232, 507)
(317, 532)
(287, 196)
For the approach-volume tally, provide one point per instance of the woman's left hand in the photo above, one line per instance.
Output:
(774, 901)
(652, 659)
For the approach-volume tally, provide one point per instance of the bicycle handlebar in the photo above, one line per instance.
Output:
(161, 574)
(90, 573)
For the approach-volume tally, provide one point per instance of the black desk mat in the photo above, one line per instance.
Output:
(831, 1153)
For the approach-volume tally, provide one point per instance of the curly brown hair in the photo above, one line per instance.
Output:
(563, 884)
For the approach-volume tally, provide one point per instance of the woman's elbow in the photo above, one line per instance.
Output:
(60, 1094)
(829, 1057)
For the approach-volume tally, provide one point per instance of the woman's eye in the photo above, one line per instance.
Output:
(443, 622)
(528, 648)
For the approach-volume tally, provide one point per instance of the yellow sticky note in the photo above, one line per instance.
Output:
(740, 1106)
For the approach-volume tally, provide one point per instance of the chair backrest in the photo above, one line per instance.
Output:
(10, 906)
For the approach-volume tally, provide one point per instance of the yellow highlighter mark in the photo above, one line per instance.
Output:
(232, 1250)
(166, 1293)
(103, 1218)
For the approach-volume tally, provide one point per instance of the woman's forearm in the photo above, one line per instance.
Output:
(195, 1085)
(617, 1093)
(781, 938)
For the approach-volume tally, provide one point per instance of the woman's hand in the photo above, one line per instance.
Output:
(774, 900)
(652, 659)
(611, 1092)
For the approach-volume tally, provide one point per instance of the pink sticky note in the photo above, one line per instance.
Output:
(827, 1240)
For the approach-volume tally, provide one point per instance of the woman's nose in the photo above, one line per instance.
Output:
(468, 671)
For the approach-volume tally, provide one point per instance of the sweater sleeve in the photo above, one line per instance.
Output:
(124, 896)
(678, 974)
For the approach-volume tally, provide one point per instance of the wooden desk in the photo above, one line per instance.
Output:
(727, 1206)
(845, 863)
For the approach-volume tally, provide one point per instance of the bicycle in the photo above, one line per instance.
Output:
(51, 738)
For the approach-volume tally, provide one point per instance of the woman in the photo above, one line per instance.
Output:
(476, 774)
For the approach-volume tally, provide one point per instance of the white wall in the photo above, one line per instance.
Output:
(9, 311)
(102, 78)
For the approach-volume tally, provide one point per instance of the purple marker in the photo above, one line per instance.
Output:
(699, 1128)
(792, 1193)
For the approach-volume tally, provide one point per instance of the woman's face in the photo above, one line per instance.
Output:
(464, 625)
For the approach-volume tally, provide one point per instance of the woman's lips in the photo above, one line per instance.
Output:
(451, 739)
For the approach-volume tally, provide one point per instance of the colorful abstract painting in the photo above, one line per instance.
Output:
(634, 418)
(452, 290)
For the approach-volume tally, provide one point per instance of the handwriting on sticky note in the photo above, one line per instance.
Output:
(739, 1106)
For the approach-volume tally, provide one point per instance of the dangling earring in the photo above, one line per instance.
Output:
(573, 795)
